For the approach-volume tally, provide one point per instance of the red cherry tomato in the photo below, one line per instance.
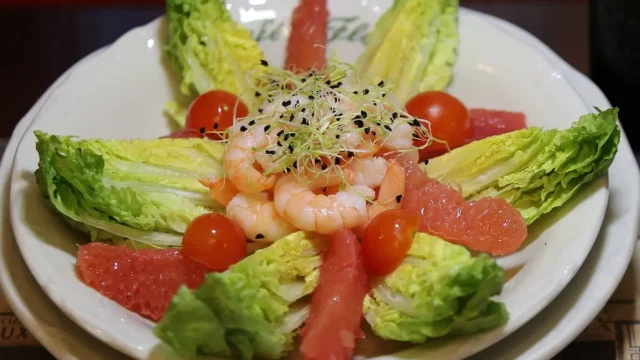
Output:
(215, 241)
(387, 240)
(184, 134)
(214, 111)
(449, 118)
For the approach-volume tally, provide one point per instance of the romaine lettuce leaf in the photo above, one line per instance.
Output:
(259, 301)
(534, 170)
(413, 46)
(142, 190)
(209, 49)
(439, 289)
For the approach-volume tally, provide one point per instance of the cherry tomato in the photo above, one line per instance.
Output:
(183, 134)
(449, 118)
(214, 241)
(387, 240)
(214, 110)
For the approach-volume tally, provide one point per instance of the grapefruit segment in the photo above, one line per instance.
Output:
(143, 281)
(331, 330)
(307, 44)
(485, 123)
(487, 225)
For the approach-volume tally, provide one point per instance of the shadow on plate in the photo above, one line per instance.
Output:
(48, 225)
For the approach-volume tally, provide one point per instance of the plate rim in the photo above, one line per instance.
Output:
(538, 50)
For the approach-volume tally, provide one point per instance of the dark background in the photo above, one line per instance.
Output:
(40, 42)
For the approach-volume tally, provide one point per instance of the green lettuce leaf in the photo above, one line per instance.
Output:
(259, 301)
(209, 49)
(420, 35)
(190, 327)
(439, 289)
(142, 190)
(534, 170)
(177, 114)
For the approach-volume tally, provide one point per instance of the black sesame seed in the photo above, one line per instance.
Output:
(270, 152)
(266, 128)
(279, 143)
(311, 97)
(337, 161)
(292, 117)
(381, 83)
(286, 103)
(394, 115)
(363, 113)
(339, 83)
(281, 116)
(258, 94)
(295, 164)
(286, 170)
(202, 130)
(416, 137)
(259, 236)
(415, 122)
(252, 122)
(280, 133)
(304, 80)
(387, 127)
(317, 161)
(328, 82)
(286, 137)
(290, 148)
(399, 198)
(292, 135)
(357, 117)
(303, 110)
(305, 122)
(359, 123)
(215, 126)
(355, 92)
(337, 136)
(260, 110)
(324, 166)
(367, 130)
(264, 62)
(350, 154)
(243, 128)
(426, 161)
(365, 91)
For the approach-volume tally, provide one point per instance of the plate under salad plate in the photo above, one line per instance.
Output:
(132, 66)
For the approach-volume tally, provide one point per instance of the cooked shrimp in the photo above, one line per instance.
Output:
(297, 202)
(220, 190)
(240, 163)
(258, 218)
(369, 171)
(400, 137)
(266, 160)
(389, 195)
(399, 144)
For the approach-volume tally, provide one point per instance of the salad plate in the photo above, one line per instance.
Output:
(134, 65)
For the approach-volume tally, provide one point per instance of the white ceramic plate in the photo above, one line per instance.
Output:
(130, 75)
